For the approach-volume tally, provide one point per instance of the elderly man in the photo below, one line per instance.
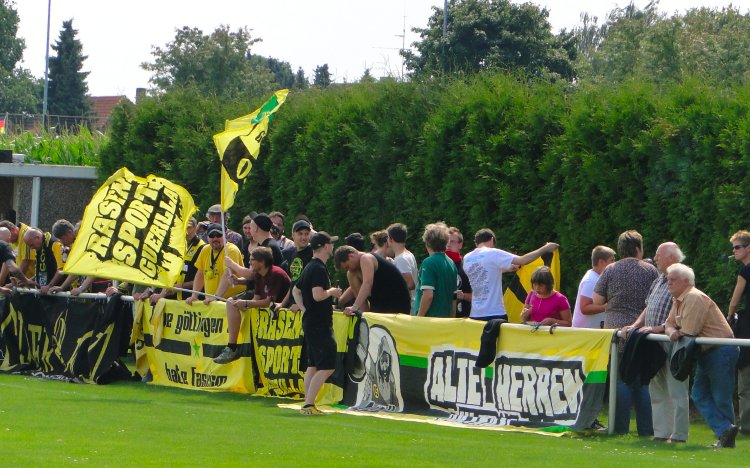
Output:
(670, 404)
(693, 313)
(48, 255)
(624, 286)
(485, 265)
(382, 284)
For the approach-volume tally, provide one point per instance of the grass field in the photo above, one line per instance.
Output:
(47, 423)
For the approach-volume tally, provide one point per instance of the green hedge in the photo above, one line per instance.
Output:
(534, 161)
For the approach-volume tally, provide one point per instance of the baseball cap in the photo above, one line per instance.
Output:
(263, 221)
(301, 224)
(213, 227)
(214, 209)
(322, 238)
(356, 240)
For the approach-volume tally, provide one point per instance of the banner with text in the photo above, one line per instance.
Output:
(62, 338)
(537, 379)
(281, 360)
(179, 342)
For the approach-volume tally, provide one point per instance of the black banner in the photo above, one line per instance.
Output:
(64, 338)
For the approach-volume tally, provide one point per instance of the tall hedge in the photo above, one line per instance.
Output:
(534, 161)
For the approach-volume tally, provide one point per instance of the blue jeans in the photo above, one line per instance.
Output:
(628, 395)
(713, 387)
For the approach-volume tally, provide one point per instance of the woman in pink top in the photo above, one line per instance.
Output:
(543, 304)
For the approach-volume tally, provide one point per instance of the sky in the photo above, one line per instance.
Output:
(348, 35)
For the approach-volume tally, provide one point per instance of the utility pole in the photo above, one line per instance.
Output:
(46, 69)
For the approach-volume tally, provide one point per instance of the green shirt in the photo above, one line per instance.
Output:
(438, 272)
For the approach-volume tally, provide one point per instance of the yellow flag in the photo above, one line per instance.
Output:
(238, 146)
(520, 285)
(133, 230)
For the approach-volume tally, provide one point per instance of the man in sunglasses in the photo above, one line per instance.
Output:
(740, 241)
(210, 267)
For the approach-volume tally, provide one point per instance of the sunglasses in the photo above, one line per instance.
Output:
(214, 235)
(738, 247)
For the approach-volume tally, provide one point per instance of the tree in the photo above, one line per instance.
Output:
(322, 77)
(67, 83)
(19, 91)
(300, 80)
(217, 64)
(367, 77)
(489, 34)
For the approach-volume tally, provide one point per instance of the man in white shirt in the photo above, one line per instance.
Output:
(403, 259)
(586, 314)
(485, 265)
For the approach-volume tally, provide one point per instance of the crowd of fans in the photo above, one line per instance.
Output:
(262, 268)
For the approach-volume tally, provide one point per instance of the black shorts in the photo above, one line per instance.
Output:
(321, 348)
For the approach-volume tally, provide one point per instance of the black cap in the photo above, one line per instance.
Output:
(356, 240)
(213, 227)
(321, 238)
(263, 221)
(301, 224)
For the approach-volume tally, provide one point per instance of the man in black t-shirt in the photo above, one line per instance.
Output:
(297, 257)
(314, 293)
(260, 229)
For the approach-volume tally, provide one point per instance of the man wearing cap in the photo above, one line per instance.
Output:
(313, 292)
(271, 286)
(297, 257)
(260, 230)
(382, 284)
(210, 267)
(214, 217)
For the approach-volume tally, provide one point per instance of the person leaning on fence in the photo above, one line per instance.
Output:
(48, 255)
(25, 257)
(543, 304)
(271, 286)
(381, 288)
(8, 262)
(313, 292)
(693, 313)
(670, 405)
(741, 248)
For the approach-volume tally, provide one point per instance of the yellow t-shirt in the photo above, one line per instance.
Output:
(23, 252)
(211, 263)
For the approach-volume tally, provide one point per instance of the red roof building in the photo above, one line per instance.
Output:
(101, 110)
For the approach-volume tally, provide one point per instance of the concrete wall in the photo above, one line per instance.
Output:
(59, 199)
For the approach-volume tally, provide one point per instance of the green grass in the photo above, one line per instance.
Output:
(47, 423)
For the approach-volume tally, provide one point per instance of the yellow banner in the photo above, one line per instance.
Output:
(133, 230)
(427, 365)
(181, 341)
(520, 285)
(239, 144)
